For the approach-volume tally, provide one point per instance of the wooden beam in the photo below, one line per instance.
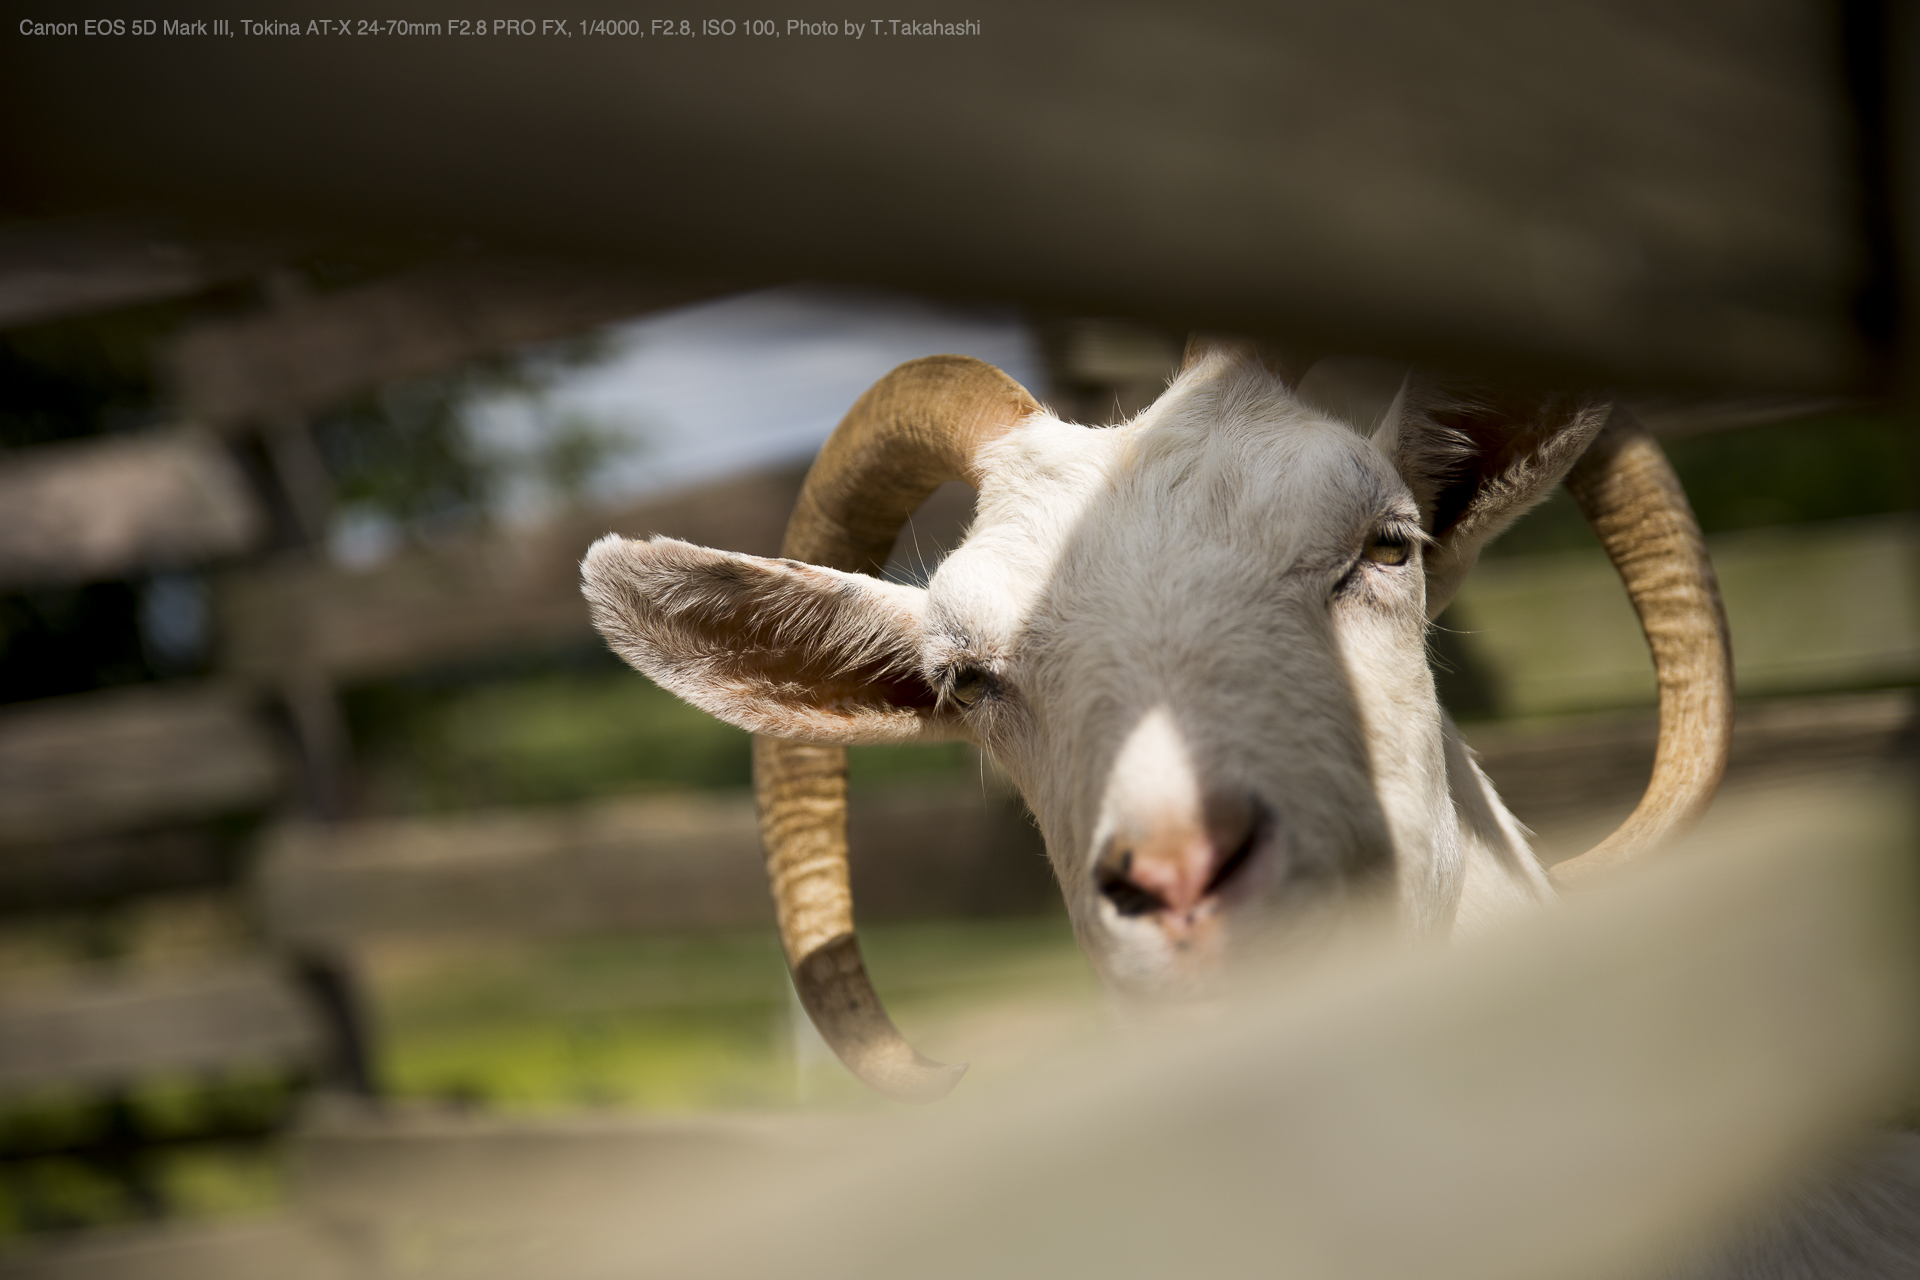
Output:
(107, 507)
(1812, 607)
(121, 759)
(928, 853)
(316, 351)
(1453, 181)
(493, 593)
(107, 1033)
(288, 1248)
(54, 269)
(90, 870)
(1585, 768)
(1360, 389)
(670, 863)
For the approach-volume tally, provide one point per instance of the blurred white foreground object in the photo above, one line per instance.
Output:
(1614, 1083)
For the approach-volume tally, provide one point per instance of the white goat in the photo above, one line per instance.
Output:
(1196, 642)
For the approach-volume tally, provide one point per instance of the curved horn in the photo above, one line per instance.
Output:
(915, 429)
(1629, 493)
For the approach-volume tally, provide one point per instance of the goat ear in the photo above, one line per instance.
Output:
(1478, 462)
(773, 646)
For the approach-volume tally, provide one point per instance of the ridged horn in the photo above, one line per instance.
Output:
(1630, 495)
(915, 429)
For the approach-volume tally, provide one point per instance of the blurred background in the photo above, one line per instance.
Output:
(330, 833)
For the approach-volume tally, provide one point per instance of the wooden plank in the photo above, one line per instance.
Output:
(421, 1173)
(966, 850)
(1359, 390)
(694, 862)
(88, 870)
(672, 863)
(647, 864)
(1584, 768)
(54, 269)
(144, 756)
(287, 1249)
(106, 1033)
(506, 590)
(107, 507)
(1461, 178)
(1811, 607)
(316, 351)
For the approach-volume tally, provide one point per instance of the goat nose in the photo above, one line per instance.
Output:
(1176, 865)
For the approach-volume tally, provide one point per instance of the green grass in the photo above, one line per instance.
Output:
(674, 1023)
(191, 1148)
(658, 1023)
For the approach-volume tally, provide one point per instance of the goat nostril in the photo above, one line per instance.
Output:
(1178, 868)
(1129, 899)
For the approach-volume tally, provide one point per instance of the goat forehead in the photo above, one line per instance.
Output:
(1268, 493)
(1040, 480)
(1179, 509)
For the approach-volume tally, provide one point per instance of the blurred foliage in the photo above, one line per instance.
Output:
(170, 1148)
(409, 453)
(160, 1110)
(1829, 468)
(402, 452)
(534, 738)
(681, 1022)
(206, 1180)
(545, 736)
(658, 1022)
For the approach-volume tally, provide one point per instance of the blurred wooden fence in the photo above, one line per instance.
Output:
(109, 795)
(135, 790)
(1826, 606)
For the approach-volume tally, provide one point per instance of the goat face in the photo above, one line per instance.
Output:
(1195, 642)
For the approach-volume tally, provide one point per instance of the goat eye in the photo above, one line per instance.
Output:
(969, 684)
(1386, 548)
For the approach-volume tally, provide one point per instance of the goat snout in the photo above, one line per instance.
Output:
(1174, 867)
